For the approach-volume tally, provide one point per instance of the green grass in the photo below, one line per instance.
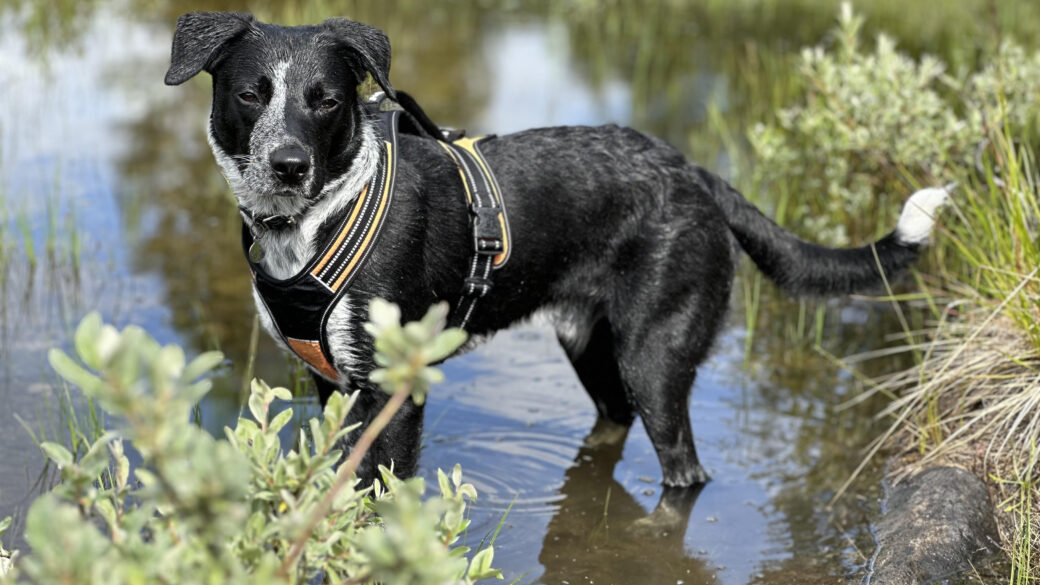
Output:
(973, 399)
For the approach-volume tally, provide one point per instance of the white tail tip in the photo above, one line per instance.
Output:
(918, 217)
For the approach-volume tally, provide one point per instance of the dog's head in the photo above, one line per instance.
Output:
(287, 121)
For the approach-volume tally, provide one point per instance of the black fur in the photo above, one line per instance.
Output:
(612, 229)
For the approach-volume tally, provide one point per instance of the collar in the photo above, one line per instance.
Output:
(273, 222)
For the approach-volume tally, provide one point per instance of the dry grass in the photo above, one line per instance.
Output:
(974, 401)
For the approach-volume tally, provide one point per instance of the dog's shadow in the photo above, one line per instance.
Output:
(601, 534)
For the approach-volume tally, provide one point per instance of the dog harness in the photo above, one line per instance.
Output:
(301, 305)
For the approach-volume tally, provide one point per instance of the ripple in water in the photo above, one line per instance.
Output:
(510, 467)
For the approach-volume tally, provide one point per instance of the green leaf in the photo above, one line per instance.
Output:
(169, 364)
(107, 511)
(383, 314)
(282, 393)
(445, 344)
(442, 480)
(72, 372)
(258, 408)
(317, 435)
(280, 420)
(57, 453)
(86, 339)
(96, 458)
(436, 317)
(456, 475)
(201, 365)
(480, 566)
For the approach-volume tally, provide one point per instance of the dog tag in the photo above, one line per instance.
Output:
(256, 252)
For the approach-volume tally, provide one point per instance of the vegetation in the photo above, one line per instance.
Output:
(876, 124)
(197, 509)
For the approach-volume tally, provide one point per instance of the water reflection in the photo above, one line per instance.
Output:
(601, 533)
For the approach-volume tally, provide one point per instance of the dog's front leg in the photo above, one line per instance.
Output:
(399, 442)
(397, 446)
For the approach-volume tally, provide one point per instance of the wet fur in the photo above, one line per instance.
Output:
(626, 245)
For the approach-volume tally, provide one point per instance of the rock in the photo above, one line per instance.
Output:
(937, 523)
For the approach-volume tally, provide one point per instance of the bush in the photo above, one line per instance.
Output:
(875, 125)
(239, 509)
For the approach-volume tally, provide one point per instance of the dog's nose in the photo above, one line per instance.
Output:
(290, 164)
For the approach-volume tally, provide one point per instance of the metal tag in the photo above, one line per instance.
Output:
(256, 252)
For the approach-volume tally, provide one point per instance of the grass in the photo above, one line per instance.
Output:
(973, 395)
(973, 398)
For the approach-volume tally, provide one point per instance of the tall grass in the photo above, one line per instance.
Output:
(974, 396)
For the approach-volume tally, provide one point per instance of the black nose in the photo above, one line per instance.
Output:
(290, 164)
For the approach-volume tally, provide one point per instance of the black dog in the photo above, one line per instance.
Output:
(627, 246)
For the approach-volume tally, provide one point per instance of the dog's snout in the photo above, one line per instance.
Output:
(290, 164)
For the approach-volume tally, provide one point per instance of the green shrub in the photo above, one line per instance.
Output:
(240, 510)
(873, 126)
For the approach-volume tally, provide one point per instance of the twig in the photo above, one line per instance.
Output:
(345, 474)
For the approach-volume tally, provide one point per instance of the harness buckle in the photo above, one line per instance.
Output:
(487, 232)
(276, 222)
(477, 286)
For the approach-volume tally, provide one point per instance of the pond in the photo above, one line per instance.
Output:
(110, 201)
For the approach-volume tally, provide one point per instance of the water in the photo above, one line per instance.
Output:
(105, 174)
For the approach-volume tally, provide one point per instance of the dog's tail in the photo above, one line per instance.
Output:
(803, 268)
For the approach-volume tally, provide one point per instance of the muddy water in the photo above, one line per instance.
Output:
(111, 202)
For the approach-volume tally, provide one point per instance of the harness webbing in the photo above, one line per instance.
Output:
(490, 224)
(301, 305)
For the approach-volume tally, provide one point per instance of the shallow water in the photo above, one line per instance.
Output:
(105, 175)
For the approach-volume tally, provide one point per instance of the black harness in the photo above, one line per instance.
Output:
(301, 305)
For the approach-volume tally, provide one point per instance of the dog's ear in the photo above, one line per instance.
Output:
(369, 43)
(198, 40)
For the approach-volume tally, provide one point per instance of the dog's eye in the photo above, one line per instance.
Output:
(327, 104)
(248, 97)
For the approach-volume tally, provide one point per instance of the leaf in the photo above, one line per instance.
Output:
(383, 314)
(96, 458)
(258, 408)
(436, 317)
(282, 393)
(107, 511)
(317, 436)
(169, 364)
(280, 420)
(86, 339)
(107, 344)
(445, 344)
(480, 566)
(201, 365)
(442, 479)
(72, 372)
(456, 475)
(57, 453)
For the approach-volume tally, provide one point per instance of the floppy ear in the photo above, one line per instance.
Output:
(369, 43)
(198, 40)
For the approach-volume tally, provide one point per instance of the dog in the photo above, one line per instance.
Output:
(627, 246)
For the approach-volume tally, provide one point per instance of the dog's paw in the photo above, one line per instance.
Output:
(918, 217)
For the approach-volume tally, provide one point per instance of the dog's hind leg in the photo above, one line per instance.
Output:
(658, 354)
(662, 400)
(597, 368)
